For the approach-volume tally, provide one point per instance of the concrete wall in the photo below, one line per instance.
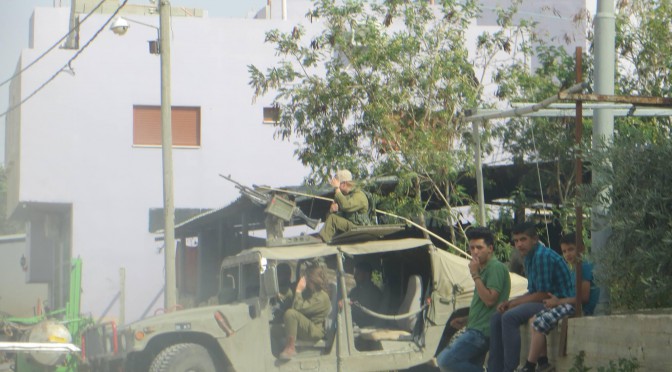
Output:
(646, 337)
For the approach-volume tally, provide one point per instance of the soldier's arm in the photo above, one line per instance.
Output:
(317, 303)
(356, 202)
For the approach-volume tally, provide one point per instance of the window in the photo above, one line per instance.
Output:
(271, 115)
(147, 126)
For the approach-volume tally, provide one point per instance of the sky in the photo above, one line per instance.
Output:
(15, 19)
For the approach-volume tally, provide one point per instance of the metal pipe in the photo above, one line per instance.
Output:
(122, 296)
(603, 121)
(478, 164)
(294, 193)
(465, 254)
(578, 135)
(346, 310)
(521, 111)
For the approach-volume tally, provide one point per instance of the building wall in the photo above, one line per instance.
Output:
(77, 147)
(73, 140)
(16, 297)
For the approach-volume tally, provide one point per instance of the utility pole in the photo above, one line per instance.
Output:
(170, 295)
(603, 121)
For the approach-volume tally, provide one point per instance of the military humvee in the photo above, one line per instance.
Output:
(422, 286)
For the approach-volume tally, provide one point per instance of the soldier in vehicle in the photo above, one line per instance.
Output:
(366, 294)
(492, 286)
(350, 207)
(310, 308)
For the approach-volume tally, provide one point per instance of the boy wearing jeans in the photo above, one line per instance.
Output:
(547, 273)
(492, 285)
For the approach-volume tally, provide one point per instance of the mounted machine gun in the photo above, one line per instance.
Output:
(274, 205)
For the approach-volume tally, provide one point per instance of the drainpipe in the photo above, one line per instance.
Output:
(268, 9)
(603, 121)
(284, 10)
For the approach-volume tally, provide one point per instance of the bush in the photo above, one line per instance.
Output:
(636, 263)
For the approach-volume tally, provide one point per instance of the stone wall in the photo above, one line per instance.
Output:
(646, 337)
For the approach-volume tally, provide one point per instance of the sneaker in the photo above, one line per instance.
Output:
(525, 369)
(545, 368)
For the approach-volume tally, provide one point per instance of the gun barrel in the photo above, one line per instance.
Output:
(252, 194)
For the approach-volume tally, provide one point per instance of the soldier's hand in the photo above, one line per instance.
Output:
(335, 182)
(301, 285)
(333, 208)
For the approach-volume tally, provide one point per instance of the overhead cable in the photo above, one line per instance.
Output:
(67, 64)
(53, 46)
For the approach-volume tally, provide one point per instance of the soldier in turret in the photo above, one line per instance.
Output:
(350, 207)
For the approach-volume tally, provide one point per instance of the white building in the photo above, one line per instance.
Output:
(82, 157)
(17, 297)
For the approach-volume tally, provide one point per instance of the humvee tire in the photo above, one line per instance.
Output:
(183, 357)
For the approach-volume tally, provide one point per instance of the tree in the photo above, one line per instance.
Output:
(635, 263)
(548, 141)
(381, 90)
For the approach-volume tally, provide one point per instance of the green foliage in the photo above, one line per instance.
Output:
(381, 83)
(545, 140)
(645, 57)
(381, 90)
(623, 365)
(579, 363)
(638, 189)
(642, 43)
(636, 183)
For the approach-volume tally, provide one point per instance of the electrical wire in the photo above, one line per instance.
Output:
(67, 65)
(541, 188)
(53, 46)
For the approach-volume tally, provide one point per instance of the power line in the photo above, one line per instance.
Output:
(53, 46)
(67, 65)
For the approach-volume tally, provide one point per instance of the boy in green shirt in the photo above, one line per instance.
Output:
(492, 285)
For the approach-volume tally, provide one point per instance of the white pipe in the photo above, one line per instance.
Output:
(603, 119)
(284, 10)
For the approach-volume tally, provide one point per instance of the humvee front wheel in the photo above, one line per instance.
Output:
(185, 357)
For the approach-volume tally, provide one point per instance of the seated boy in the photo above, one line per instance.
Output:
(556, 309)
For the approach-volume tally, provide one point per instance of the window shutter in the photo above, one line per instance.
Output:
(186, 124)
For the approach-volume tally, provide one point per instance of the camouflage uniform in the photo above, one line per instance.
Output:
(353, 209)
